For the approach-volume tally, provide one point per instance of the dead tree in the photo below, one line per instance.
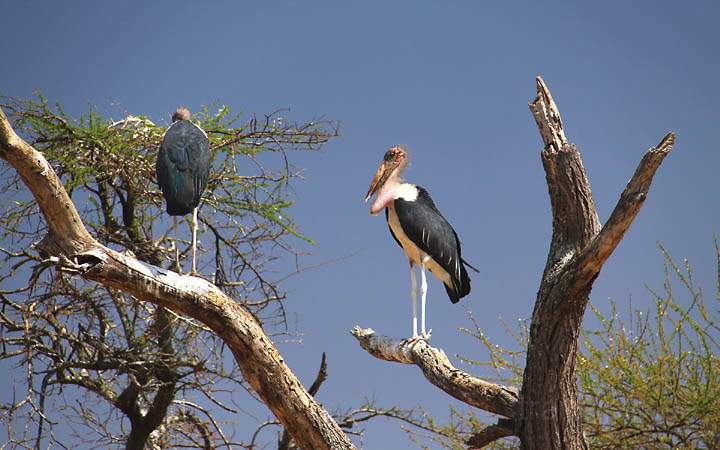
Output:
(544, 413)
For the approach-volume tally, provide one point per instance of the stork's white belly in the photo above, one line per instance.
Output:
(413, 252)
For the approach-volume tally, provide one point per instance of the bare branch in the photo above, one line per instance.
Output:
(590, 261)
(575, 220)
(437, 368)
(492, 433)
(548, 117)
(210, 417)
(321, 376)
(314, 388)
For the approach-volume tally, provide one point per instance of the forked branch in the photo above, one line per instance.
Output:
(592, 258)
(549, 415)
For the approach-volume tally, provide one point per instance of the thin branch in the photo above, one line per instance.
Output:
(321, 376)
(210, 417)
(492, 433)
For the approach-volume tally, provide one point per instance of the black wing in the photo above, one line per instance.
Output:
(427, 228)
(183, 166)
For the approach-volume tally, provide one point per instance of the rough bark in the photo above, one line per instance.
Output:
(75, 251)
(285, 441)
(546, 414)
(549, 415)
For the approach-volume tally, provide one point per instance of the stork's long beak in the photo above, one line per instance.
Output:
(378, 180)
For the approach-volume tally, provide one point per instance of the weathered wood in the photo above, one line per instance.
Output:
(67, 232)
(437, 368)
(77, 252)
(590, 261)
(549, 414)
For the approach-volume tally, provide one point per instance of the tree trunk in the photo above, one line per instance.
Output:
(549, 415)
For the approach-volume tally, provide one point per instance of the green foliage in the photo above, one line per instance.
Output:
(127, 358)
(650, 382)
(108, 167)
(654, 381)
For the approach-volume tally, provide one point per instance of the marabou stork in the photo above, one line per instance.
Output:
(182, 167)
(423, 233)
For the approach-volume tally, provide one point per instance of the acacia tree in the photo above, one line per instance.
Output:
(543, 414)
(654, 381)
(161, 372)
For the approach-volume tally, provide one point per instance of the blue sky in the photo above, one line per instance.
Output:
(451, 82)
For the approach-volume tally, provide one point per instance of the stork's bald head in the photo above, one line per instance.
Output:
(182, 113)
(393, 163)
(396, 156)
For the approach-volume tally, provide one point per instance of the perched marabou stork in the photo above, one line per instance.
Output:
(423, 233)
(182, 167)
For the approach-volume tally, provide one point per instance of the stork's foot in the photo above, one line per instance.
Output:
(419, 337)
(413, 339)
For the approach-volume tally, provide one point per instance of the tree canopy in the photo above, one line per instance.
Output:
(142, 370)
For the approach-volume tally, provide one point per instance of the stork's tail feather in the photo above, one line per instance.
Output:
(458, 288)
(454, 297)
(469, 265)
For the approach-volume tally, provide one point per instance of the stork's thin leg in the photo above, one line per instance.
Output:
(423, 294)
(413, 298)
(177, 247)
(194, 240)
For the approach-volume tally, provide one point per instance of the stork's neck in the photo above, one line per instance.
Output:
(393, 189)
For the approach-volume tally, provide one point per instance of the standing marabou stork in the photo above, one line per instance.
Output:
(182, 167)
(423, 233)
